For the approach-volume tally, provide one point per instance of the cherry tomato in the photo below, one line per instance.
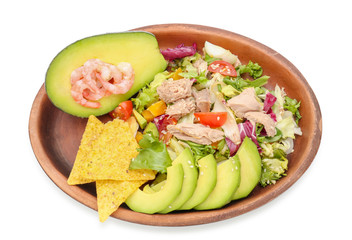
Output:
(211, 119)
(222, 67)
(123, 110)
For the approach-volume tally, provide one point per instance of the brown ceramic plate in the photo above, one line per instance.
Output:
(55, 135)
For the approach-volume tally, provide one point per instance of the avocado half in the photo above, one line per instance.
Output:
(141, 49)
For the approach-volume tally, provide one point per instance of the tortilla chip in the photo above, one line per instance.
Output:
(91, 134)
(111, 154)
(111, 194)
(104, 157)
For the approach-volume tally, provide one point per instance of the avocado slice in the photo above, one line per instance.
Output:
(205, 184)
(151, 128)
(138, 48)
(140, 119)
(251, 169)
(228, 180)
(156, 188)
(189, 181)
(153, 202)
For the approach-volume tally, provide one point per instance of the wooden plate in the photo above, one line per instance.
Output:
(55, 135)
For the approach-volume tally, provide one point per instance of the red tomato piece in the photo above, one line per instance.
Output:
(211, 119)
(123, 111)
(223, 67)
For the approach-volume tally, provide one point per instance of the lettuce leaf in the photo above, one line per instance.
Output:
(287, 125)
(273, 170)
(152, 155)
(293, 106)
(179, 52)
(253, 69)
(200, 150)
(240, 83)
(191, 72)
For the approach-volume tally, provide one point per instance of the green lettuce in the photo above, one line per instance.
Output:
(223, 152)
(210, 59)
(200, 150)
(273, 168)
(253, 69)
(240, 83)
(152, 155)
(287, 125)
(293, 105)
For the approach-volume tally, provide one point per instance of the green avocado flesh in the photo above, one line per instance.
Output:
(228, 180)
(189, 182)
(140, 49)
(152, 202)
(251, 169)
(205, 184)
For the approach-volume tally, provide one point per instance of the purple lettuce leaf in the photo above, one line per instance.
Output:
(179, 52)
(247, 129)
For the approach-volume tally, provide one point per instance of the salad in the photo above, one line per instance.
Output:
(209, 102)
(204, 132)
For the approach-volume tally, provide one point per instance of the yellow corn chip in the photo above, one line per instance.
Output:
(111, 194)
(104, 156)
(111, 154)
(91, 134)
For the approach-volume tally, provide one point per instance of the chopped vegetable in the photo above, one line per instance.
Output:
(287, 126)
(269, 102)
(293, 105)
(139, 136)
(161, 122)
(123, 111)
(218, 52)
(211, 119)
(157, 108)
(179, 52)
(232, 146)
(148, 115)
(247, 129)
(152, 155)
(239, 83)
(200, 150)
(229, 91)
(223, 68)
(253, 69)
(273, 168)
(176, 146)
(175, 75)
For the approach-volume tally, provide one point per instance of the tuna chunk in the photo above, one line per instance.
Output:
(197, 133)
(245, 102)
(202, 100)
(181, 107)
(171, 91)
(265, 119)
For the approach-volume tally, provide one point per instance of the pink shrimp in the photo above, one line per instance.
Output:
(77, 92)
(122, 79)
(76, 75)
(96, 79)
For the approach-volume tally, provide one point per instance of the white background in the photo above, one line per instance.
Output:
(314, 35)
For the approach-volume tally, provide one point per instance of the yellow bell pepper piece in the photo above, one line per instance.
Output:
(148, 115)
(158, 108)
(139, 136)
(175, 76)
